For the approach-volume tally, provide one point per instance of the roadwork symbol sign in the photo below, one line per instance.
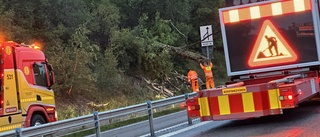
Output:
(270, 48)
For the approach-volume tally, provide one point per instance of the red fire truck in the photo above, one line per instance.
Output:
(272, 52)
(26, 98)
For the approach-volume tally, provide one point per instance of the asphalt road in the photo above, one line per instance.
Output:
(143, 128)
(303, 121)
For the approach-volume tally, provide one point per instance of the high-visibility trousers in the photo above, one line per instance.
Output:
(195, 85)
(210, 82)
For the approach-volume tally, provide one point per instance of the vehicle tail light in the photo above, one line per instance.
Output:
(190, 108)
(290, 97)
(193, 107)
(183, 105)
(281, 98)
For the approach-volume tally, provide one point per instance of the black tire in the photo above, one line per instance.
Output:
(37, 120)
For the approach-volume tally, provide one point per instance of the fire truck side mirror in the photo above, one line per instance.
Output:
(52, 78)
(49, 67)
(51, 75)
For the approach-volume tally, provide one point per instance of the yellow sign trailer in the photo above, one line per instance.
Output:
(248, 101)
(272, 52)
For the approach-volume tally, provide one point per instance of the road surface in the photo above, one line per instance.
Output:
(303, 121)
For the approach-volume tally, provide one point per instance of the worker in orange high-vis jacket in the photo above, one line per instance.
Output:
(208, 74)
(193, 80)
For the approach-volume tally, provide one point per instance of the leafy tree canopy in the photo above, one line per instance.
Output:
(100, 45)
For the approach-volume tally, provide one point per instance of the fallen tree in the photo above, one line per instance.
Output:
(175, 83)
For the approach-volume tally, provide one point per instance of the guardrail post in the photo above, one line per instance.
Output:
(150, 115)
(189, 119)
(18, 132)
(96, 123)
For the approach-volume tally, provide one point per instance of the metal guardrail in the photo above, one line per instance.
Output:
(93, 121)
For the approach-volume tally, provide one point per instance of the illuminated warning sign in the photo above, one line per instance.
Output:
(270, 48)
(266, 10)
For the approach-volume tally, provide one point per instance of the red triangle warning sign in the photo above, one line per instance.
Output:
(270, 48)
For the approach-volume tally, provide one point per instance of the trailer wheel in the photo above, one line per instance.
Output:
(37, 120)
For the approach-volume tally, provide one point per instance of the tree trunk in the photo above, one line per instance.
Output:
(185, 53)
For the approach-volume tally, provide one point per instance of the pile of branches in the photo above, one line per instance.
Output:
(175, 83)
(169, 86)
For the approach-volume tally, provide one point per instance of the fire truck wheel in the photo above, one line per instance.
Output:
(37, 120)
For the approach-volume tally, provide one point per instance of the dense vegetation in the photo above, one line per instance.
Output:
(104, 50)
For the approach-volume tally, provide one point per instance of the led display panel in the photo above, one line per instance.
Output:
(271, 36)
(240, 2)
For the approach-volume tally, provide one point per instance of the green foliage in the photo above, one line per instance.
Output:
(70, 112)
(82, 54)
(72, 64)
(103, 21)
(101, 48)
(106, 71)
(128, 49)
(136, 49)
(219, 71)
(156, 62)
(162, 32)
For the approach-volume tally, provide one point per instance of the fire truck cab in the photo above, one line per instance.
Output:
(26, 77)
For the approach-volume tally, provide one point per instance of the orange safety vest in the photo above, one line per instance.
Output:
(192, 75)
(207, 70)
